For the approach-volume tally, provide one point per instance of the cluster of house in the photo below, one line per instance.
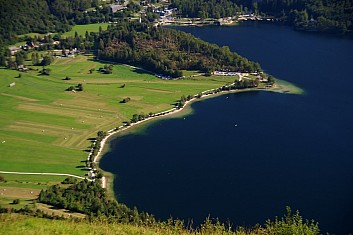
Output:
(30, 45)
(67, 53)
(225, 73)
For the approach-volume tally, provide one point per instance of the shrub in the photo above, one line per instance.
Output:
(16, 201)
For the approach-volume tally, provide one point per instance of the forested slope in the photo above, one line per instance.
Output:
(43, 16)
(167, 51)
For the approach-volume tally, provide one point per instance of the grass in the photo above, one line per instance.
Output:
(81, 29)
(25, 224)
(44, 128)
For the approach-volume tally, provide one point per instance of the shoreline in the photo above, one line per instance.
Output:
(279, 87)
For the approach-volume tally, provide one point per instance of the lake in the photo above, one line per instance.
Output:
(245, 157)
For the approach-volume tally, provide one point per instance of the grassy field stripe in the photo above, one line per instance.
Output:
(36, 173)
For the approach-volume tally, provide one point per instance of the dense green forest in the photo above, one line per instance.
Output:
(314, 15)
(91, 199)
(43, 16)
(167, 51)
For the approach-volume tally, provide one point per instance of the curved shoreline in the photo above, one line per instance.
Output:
(280, 88)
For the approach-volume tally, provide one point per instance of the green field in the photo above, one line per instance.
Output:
(81, 29)
(44, 128)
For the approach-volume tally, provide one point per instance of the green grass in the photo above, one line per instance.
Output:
(25, 224)
(81, 29)
(44, 128)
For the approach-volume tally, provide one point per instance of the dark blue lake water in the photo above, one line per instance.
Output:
(287, 150)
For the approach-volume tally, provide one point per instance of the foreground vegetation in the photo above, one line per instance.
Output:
(109, 217)
(19, 224)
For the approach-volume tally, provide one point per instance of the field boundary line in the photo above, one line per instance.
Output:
(42, 173)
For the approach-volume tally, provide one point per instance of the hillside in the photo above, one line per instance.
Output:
(166, 51)
(45, 16)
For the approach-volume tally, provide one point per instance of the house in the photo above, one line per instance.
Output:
(22, 68)
(116, 7)
(14, 50)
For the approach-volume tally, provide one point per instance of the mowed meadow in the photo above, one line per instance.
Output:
(44, 128)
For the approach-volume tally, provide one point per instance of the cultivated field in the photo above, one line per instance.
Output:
(44, 128)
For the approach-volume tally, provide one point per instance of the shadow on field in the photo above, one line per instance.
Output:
(80, 166)
(140, 71)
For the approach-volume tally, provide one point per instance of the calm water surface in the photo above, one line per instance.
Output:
(285, 150)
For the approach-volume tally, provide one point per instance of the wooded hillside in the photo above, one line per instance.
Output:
(167, 51)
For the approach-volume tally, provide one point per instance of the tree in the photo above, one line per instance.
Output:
(70, 88)
(47, 60)
(19, 58)
(34, 59)
(271, 79)
(101, 45)
(135, 118)
(16, 201)
(79, 87)
(45, 71)
(125, 100)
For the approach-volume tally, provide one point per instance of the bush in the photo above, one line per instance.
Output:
(69, 180)
(125, 100)
(16, 201)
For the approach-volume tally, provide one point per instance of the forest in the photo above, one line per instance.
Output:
(166, 51)
(43, 16)
(90, 198)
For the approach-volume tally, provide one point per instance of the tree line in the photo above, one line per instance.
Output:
(313, 15)
(91, 199)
